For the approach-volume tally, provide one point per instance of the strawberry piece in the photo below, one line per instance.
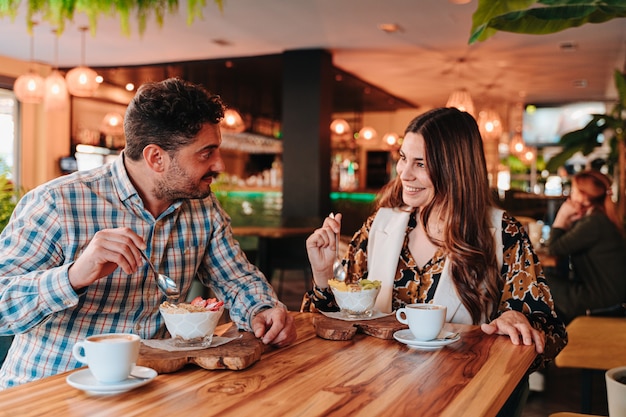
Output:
(199, 301)
(215, 306)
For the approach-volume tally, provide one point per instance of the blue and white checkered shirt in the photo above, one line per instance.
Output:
(53, 224)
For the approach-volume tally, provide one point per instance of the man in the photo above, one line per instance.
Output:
(70, 260)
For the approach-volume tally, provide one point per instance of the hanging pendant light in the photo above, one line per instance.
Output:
(391, 139)
(489, 124)
(56, 97)
(29, 87)
(517, 146)
(367, 133)
(232, 122)
(462, 100)
(340, 127)
(82, 80)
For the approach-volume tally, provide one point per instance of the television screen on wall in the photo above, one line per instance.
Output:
(544, 125)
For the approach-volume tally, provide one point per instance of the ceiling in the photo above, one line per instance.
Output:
(421, 64)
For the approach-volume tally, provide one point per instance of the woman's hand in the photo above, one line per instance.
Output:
(320, 247)
(517, 327)
(568, 213)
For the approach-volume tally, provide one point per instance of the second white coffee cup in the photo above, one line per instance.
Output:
(111, 356)
(425, 320)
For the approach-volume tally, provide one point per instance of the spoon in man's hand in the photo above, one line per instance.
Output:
(166, 284)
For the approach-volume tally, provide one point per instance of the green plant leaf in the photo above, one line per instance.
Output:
(547, 16)
(487, 10)
(560, 159)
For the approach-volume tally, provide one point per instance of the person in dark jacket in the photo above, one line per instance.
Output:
(588, 233)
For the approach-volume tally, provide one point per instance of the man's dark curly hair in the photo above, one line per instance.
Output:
(169, 114)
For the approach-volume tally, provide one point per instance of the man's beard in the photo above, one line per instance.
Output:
(178, 185)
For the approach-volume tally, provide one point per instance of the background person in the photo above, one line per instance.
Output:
(70, 264)
(588, 233)
(436, 238)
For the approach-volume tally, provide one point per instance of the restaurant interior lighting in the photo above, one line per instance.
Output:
(489, 124)
(232, 121)
(56, 96)
(30, 87)
(82, 80)
(112, 124)
(340, 127)
(390, 139)
(462, 100)
(367, 133)
(517, 146)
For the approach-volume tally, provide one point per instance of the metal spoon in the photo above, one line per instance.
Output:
(338, 270)
(166, 284)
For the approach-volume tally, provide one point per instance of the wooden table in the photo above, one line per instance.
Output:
(364, 376)
(595, 344)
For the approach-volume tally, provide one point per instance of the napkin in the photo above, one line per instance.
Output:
(168, 344)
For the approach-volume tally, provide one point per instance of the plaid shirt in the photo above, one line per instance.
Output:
(53, 224)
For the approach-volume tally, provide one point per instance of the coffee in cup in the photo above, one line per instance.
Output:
(425, 320)
(110, 357)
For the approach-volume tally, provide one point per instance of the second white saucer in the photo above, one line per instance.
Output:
(405, 336)
(84, 380)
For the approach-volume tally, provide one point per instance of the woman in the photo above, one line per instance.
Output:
(588, 231)
(435, 237)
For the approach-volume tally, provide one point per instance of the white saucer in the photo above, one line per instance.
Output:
(405, 336)
(85, 381)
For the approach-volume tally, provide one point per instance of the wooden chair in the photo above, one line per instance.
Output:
(595, 344)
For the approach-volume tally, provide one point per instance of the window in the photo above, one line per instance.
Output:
(9, 146)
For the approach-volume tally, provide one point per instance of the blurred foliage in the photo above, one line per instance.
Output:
(585, 140)
(517, 166)
(58, 12)
(9, 197)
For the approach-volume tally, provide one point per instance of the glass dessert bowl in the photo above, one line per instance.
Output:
(192, 324)
(355, 299)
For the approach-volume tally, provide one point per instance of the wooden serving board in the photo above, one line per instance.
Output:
(335, 329)
(235, 355)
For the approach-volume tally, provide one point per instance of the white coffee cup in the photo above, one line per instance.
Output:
(111, 356)
(616, 391)
(425, 320)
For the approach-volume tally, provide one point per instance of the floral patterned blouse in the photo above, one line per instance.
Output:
(524, 287)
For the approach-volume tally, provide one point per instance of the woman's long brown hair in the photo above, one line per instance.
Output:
(455, 161)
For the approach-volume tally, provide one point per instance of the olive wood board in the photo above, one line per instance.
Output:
(336, 329)
(235, 355)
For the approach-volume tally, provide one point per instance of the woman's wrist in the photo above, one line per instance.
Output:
(321, 280)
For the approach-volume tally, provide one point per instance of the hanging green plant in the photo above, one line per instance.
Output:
(58, 12)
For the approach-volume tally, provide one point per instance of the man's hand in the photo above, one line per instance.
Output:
(274, 326)
(516, 326)
(109, 249)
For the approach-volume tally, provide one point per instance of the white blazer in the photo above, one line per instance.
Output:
(383, 252)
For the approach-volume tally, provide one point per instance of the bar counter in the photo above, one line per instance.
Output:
(364, 376)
